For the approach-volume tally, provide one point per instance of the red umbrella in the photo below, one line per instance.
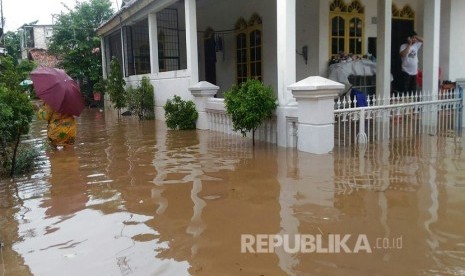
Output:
(58, 90)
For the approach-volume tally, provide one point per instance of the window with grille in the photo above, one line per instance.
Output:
(168, 40)
(249, 49)
(137, 49)
(113, 49)
(346, 27)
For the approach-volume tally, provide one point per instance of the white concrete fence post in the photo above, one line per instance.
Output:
(315, 99)
(202, 91)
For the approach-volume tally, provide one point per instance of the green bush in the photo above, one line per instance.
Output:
(141, 100)
(249, 105)
(115, 85)
(26, 160)
(180, 114)
(16, 112)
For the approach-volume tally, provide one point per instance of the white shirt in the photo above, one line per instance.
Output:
(410, 61)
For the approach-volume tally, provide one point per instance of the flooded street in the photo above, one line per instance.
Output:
(133, 198)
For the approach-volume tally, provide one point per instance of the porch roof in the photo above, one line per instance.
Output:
(128, 10)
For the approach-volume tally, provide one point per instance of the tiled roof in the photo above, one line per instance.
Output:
(43, 58)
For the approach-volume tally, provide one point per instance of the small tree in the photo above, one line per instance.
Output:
(141, 99)
(180, 114)
(13, 45)
(249, 105)
(16, 112)
(115, 85)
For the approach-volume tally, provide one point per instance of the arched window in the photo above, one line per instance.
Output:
(406, 13)
(249, 49)
(346, 27)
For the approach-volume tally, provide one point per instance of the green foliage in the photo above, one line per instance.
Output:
(75, 39)
(180, 114)
(100, 86)
(16, 112)
(141, 99)
(10, 77)
(12, 45)
(249, 105)
(26, 160)
(115, 85)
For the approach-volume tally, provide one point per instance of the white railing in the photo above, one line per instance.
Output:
(397, 117)
(220, 121)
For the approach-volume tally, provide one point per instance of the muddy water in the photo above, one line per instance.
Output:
(133, 198)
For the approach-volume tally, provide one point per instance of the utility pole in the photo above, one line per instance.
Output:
(3, 23)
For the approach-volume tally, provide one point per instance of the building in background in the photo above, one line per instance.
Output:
(34, 41)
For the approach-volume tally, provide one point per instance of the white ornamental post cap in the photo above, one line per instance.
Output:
(204, 88)
(315, 86)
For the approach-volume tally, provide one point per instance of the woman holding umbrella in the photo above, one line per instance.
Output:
(62, 101)
(61, 129)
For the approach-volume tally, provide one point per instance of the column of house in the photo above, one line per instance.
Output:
(383, 66)
(431, 20)
(286, 63)
(153, 38)
(191, 40)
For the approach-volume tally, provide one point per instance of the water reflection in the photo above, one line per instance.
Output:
(133, 198)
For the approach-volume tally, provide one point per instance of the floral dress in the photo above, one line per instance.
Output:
(61, 127)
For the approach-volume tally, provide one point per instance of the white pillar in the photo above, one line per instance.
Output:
(286, 66)
(191, 40)
(123, 51)
(383, 46)
(315, 97)
(153, 38)
(457, 40)
(103, 52)
(286, 28)
(431, 46)
(203, 91)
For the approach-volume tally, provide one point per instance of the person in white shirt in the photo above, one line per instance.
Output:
(409, 56)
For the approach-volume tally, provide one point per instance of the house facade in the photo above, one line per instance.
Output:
(34, 37)
(179, 43)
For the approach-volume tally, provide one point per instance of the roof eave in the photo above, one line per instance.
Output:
(122, 15)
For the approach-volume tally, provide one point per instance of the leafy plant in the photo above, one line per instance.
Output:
(115, 85)
(141, 99)
(16, 112)
(249, 104)
(100, 86)
(180, 114)
(75, 39)
(13, 45)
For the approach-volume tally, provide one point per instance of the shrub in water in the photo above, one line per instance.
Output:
(141, 99)
(180, 114)
(249, 105)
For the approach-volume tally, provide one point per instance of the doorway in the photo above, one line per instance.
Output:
(401, 28)
(210, 56)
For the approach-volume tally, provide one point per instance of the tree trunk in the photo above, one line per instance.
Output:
(13, 161)
(253, 138)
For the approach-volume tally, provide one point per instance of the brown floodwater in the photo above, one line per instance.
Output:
(133, 198)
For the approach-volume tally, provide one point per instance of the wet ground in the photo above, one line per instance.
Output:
(133, 198)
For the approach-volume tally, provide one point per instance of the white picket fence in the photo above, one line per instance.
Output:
(220, 121)
(397, 117)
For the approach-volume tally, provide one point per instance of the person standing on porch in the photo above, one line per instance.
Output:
(409, 56)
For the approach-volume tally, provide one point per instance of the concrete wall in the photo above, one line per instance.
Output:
(41, 36)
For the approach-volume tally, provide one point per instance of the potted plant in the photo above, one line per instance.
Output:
(99, 89)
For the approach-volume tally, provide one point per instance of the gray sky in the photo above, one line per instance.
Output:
(19, 12)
